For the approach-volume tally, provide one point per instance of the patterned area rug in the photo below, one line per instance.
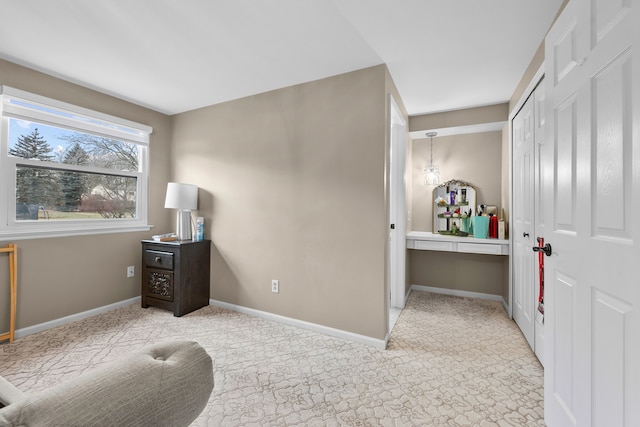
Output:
(451, 361)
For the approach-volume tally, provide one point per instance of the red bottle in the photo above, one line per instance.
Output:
(493, 227)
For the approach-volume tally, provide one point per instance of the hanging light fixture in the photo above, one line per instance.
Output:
(432, 172)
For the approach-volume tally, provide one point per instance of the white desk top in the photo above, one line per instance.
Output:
(428, 241)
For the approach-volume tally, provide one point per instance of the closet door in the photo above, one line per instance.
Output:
(524, 220)
(539, 100)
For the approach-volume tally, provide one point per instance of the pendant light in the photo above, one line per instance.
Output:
(432, 172)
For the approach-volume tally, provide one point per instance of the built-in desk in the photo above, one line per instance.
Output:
(427, 241)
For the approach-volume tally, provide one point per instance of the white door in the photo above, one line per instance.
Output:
(397, 206)
(523, 220)
(592, 194)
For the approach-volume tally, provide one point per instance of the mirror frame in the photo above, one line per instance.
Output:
(439, 189)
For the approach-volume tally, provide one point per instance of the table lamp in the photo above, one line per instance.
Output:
(183, 197)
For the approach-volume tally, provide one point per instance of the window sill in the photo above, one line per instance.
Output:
(43, 234)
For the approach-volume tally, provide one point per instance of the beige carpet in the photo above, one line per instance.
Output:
(451, 361)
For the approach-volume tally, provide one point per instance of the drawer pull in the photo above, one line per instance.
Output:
(158, 260)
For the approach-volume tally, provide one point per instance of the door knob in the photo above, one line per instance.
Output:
(525, 234)
(546, 249)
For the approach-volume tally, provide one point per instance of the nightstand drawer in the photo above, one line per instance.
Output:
(158, 259)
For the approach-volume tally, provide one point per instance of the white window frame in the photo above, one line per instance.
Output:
(82, 120)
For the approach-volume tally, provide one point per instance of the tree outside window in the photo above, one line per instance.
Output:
(70, 194)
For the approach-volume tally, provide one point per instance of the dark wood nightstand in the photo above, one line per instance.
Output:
(176, 275)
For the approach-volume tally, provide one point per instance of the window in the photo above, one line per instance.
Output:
(67, 170)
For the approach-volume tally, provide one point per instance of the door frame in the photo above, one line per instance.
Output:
(397, 206)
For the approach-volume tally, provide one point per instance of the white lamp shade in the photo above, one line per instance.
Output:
(181, 196)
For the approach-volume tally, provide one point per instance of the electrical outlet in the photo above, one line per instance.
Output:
(275, 286)
(131, 271)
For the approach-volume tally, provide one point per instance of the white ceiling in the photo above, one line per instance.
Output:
(174, 56)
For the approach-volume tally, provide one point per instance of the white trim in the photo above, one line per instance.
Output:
(406, 298)
(386, 338)
(69, 232)
(338, 333)
(23, 332)
(459, 130)
(457, 293)
(396, 258)
(505, 305)
(15, 161)
(350, 336)
(75, 109)
(511, 210)
(62, 115)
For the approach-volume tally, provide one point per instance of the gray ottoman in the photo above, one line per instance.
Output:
(165, 384)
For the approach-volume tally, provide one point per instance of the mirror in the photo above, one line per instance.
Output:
(453, 206)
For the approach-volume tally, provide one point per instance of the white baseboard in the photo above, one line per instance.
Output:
(338, 333)
(388, 336)
(505, 305)
(458, 293)
(23, 332)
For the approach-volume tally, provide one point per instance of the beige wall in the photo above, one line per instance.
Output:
(459, 271)
(475, 158)
(58, 277)
(293, 188)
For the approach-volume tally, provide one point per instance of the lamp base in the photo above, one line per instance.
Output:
(183, 225)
